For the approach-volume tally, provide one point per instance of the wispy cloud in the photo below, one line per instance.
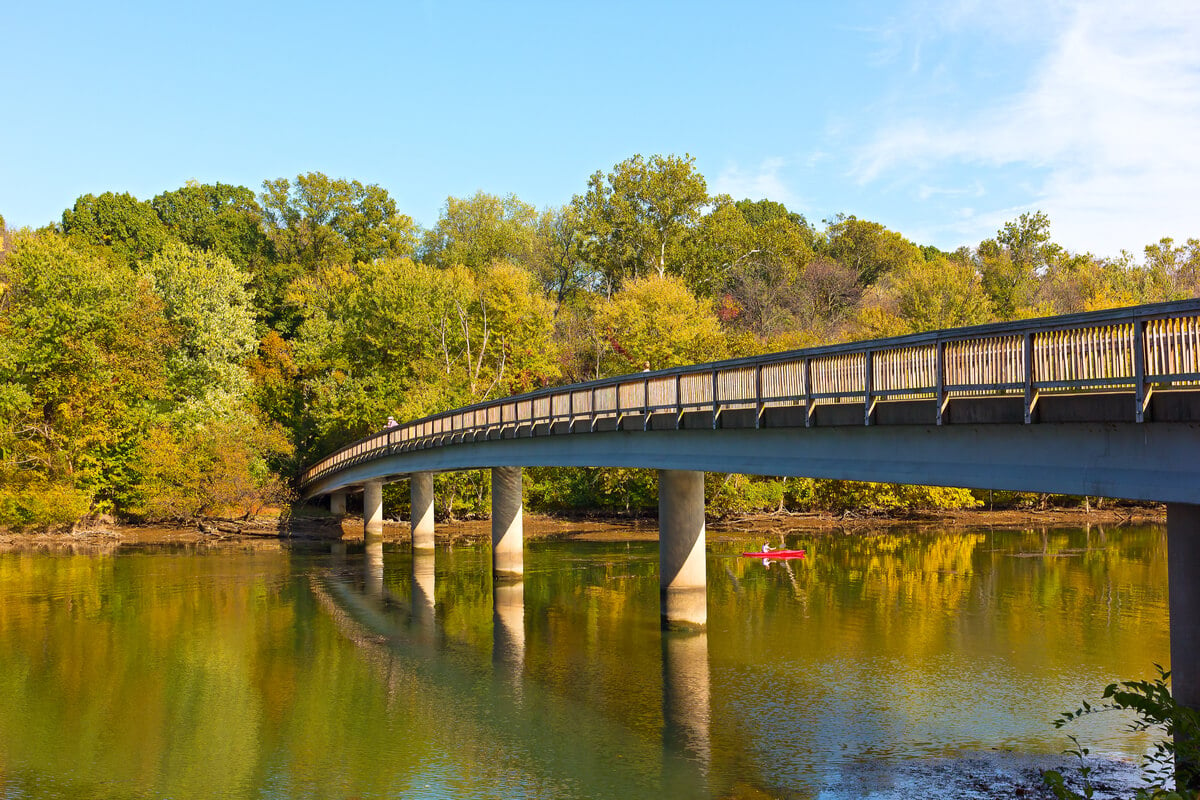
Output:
(1108, 120)
(763, 181)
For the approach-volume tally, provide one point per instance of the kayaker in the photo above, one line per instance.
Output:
(767, 547)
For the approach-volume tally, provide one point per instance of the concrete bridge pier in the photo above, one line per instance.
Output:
(508, 559)
(682, 582)
(373, 509)
(337, 504)
(1183, 588)
(421, 510)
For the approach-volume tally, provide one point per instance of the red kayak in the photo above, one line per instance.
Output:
(775, 554)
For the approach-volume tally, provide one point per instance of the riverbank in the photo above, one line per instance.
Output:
(731, 528)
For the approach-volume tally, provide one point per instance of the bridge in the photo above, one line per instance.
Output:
(1103, 403)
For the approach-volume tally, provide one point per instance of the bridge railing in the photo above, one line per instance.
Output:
(1136, 350)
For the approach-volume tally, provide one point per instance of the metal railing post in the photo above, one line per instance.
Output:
(1030, 395)
(868, 380)
(759, 407)
(1140, 397)
(809, 406)
(940, 380)
(716, 408)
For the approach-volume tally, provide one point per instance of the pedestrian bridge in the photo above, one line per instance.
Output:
(1103, 404)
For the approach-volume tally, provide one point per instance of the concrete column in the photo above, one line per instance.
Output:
(681, 578)
(423, 598)
(337, 504)
(373, 508)
(421, 510)
(508, 558)
(1183, 589)
(508, 625)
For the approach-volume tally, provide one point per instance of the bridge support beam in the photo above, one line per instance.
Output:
(373, 509)
(337, 504)
(682, 583)
(1183, 565)
(508, 558)
(421, 510)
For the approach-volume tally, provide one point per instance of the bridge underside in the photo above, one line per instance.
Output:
(1148, 461)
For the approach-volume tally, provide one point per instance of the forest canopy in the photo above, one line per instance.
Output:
(184, 356)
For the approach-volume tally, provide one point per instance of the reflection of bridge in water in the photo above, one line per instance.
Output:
(405, 640)
(1101, 404)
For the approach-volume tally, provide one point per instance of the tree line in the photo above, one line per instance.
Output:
(186, 355)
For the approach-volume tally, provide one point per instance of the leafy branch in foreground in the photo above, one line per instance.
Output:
(1173, 762)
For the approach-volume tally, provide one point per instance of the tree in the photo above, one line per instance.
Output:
(83, 347)
(763, 271)
(321, 221)
(636, 218)
(868, 248)
(1012, 263)
(187, 470)
(1174, 272)
(407, 339)
(219, 217)
(205, 299)
(657, 320)
(480, 230)
(558, 255)
(931, 295)
(128, 226)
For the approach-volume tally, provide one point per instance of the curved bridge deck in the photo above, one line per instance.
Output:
(1105, 403)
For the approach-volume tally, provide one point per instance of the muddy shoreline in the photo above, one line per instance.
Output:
(731, 528)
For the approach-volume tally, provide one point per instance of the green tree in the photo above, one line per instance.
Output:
(218, 217)
(931, 295)
(636, 218)
(1174, 272)
(83, 346)
(1011, 263)
(121, 222)
(205, 299)
(320, 221)
(656, 320)
(868, 248)
(558, 257)
(479, 230)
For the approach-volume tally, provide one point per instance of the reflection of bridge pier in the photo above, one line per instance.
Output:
(508, 625)
(373, 569)
(687, 706)
(424, 598)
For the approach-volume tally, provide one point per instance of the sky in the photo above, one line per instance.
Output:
(940, 119)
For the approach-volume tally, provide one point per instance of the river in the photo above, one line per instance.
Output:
(906, 663)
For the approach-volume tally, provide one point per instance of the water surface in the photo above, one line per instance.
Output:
(883, 665)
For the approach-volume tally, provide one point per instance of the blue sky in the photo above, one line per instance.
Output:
(940, 119)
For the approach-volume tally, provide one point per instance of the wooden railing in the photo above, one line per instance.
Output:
(1135, 350)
